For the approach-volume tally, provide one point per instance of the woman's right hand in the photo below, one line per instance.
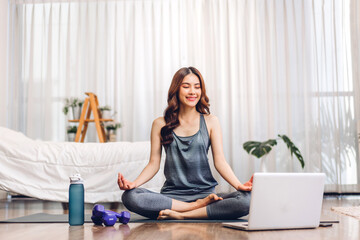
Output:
(125, 184)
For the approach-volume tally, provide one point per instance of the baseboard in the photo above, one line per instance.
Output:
(342, 189)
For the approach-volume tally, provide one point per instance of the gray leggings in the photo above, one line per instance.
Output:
(149, 204)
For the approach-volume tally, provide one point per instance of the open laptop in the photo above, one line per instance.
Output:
(284, 201)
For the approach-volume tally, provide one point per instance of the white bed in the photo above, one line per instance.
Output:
(41, 169)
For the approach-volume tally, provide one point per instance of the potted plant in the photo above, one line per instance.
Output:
(77, 108)
(111, 128)
(73, 106)
(261, 149)
(105, 112)
(71, 133)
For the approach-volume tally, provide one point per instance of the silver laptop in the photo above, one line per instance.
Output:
(284, 201)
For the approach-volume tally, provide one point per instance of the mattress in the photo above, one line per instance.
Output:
(42, 169)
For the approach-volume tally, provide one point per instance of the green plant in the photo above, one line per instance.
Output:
(105, 108)
(259, 149)
(113, 126)
(80, 103)
(71, 103)
(71, 129)
(65, 109)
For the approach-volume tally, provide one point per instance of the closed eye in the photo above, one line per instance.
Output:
(187, 85)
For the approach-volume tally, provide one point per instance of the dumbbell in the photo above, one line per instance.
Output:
(108, 218)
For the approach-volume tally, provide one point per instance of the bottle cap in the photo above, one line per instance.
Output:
(76, 179)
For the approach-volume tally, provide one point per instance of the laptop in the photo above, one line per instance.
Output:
(284, 201)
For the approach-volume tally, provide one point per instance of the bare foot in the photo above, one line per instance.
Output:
(209, 199)
(169, 214)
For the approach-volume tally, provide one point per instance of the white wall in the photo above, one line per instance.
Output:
(3, 65)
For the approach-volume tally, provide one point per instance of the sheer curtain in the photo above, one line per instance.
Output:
(271, 67)
(3, 59)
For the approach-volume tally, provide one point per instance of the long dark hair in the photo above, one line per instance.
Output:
(171, 113)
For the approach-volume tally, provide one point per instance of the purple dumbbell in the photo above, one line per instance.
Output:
(100, 216)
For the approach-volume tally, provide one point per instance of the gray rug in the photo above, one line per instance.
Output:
(63, 218)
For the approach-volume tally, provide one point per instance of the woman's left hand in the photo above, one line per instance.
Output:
(246, 186)
(125, 184)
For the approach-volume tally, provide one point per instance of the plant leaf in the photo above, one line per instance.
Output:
(259, 149)
(293, 149)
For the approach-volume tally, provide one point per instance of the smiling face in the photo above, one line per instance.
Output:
(190, 90)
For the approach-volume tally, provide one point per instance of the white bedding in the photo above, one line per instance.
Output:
(42, 169)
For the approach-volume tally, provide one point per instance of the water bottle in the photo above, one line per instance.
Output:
(76, 200)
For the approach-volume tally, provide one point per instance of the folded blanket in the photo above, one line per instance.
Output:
(41, 169)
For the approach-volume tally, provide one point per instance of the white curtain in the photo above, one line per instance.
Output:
(271, 67)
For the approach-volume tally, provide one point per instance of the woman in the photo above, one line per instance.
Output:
(189, 189)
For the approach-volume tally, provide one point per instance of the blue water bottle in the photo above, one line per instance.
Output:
(76, 200)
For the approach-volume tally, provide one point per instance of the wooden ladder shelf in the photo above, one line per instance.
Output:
(91, 105)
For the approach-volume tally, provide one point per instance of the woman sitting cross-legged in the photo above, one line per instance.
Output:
(186, 132)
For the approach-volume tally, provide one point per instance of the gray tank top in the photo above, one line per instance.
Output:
(187, 170)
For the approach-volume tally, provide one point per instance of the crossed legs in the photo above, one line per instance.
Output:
(226, 206)
(157, 206)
